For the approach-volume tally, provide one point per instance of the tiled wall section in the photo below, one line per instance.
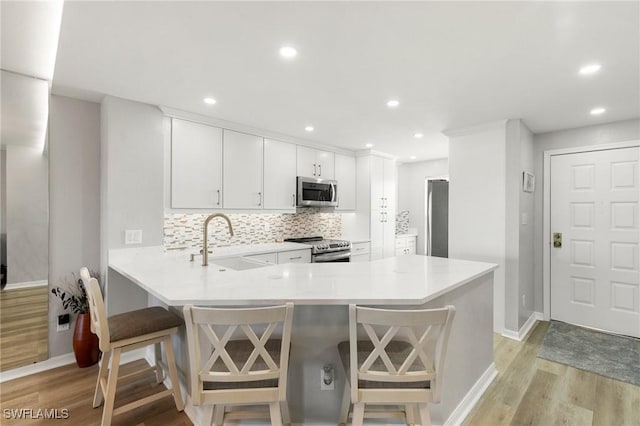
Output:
(402, 222)
(185, 230)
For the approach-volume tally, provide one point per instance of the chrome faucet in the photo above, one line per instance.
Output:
(205, 250)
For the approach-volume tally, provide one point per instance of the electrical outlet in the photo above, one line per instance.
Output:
(133, 236)
(327, 378)
(63, 322)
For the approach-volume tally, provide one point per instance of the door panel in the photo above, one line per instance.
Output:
(594, 273)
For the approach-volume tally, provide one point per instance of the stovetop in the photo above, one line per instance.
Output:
(320, 245)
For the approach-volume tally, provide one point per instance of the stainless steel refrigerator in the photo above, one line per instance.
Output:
(437, 220)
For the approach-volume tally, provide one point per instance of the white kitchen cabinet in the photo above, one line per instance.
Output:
(196, 165)
(345, 175)
(242, 171)
(315, 163)
(405, 244)
(376, 185)
(360, 252)
(279, 175)
(295, 256)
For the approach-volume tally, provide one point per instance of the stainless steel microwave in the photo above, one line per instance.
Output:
(314, 192)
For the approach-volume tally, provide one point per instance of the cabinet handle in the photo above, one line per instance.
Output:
(259, 198)
(315, 169)
(293, 197)
(360, 248)
(218, 202)
(320, 169)
(294, 258)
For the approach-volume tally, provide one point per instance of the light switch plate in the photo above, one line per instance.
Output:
(525, 219)
(133, 236)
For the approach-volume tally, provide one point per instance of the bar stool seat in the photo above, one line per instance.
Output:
(124, 332)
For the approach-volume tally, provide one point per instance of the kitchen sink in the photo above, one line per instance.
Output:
(238, 263)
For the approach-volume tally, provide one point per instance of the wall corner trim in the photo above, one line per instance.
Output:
(521, 334)
(460, 413)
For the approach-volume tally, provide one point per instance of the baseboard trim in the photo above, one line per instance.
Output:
(472, 397)
(59, 361)
(521, 334)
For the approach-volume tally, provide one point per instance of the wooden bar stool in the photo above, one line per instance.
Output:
(124, 332)
(400, 363)
(244, 363)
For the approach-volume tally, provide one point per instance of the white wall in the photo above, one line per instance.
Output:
(477, 201)
(74, 150)
(411, 192)
(526, 231)
(132, 149)
(584, 136)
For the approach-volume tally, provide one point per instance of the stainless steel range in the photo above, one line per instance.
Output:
(323, 251)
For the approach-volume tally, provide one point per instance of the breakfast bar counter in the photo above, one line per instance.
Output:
(321, 293)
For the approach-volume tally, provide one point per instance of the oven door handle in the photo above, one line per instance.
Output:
(330, 257)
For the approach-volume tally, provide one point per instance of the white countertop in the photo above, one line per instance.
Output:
(397, 280)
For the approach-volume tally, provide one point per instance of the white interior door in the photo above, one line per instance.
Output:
(594, 270)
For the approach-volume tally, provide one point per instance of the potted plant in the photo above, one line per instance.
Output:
(74, 299)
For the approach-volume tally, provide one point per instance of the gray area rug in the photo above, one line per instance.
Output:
(601, 353)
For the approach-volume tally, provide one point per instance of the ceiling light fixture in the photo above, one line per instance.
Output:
(413, 157)
(288, 52)
(309, 128)
(418, 135)
(598, 111)
(369, 145)
(209, 101)
(393, 103)
(590, 69)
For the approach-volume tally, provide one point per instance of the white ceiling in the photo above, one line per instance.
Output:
(450, 64)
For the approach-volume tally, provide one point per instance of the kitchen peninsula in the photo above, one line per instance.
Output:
(321, 293)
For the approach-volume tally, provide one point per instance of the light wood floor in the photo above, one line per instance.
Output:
(527, 391)
(533, 391)
(24, 326)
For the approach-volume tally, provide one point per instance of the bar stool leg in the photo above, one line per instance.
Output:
(218, 415)
(346, 404)
(276, 417)
(109, 398)
(173, 374)
(98, 397)
(358, 414)
(284, 408)
(425, 418)
(410, 414)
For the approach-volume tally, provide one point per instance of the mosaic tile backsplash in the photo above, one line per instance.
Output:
(402, 222)
(185, 230)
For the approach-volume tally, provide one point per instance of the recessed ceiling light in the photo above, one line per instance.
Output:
(309, 128)
(369, 145)
(288, 51)
(598, 111)
(209, 101)
(413, 157)
(590, 69)
(418, 135)
(393, 103)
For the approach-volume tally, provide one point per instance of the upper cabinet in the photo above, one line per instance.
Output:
(279, 175)
(315, 163)
(345, 175)
(242, 171)
(196, 165)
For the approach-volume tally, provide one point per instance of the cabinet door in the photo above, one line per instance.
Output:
(306, 162)
(279, 175)
(377, 235)
(389, 184)
(196, 165)
(242, 171)
(389, 233)
(345, 174)
(325, 162)
(377, 182)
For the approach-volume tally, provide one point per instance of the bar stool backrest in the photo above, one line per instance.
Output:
(99, 325)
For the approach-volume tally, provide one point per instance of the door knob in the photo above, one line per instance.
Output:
(557, 239)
